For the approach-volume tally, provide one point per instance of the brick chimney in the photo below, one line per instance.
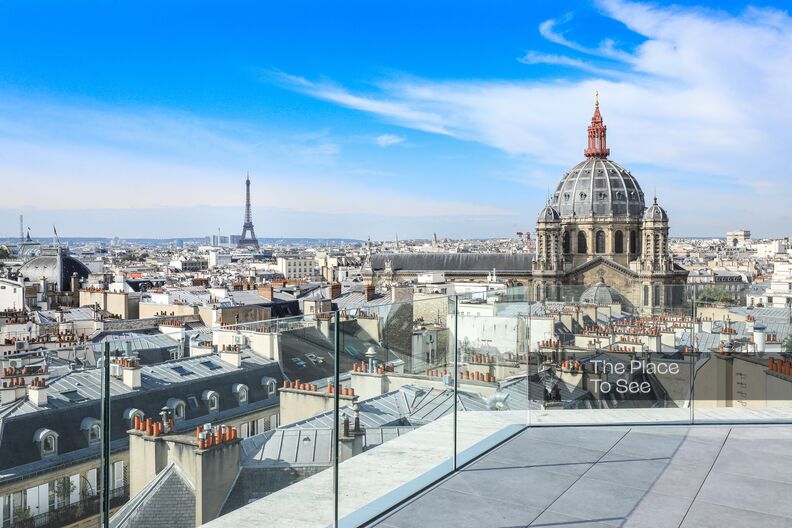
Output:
(369, 292)
(335, 290)
(266, 291)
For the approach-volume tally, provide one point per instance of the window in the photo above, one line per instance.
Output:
(600, 240)
(241, 392)
(270, 386)
(92, 429)
(129, 416)
(566, 242)
(581, 243)
(50, 445)
(47, 441)
(212, 400)
(619, 242)
(178, 407)
(73, 396)
(633, 243)
(181, 371)
(211, 365)
(192, 401)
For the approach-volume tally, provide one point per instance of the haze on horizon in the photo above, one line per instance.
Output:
(360, 119)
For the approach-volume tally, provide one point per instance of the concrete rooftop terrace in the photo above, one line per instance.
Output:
(600, 476)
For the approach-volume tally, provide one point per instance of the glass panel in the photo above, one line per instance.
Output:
(397, 400)
(603, 358)
(491, 326)
(743, 372)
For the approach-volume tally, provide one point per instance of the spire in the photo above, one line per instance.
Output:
(597, 146)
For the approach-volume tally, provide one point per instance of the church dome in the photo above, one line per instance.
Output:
(46, 265)
(548, 214)
(598, 186)
(655, 213)
(600, 293)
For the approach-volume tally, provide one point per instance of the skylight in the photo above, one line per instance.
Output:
(181, 371)
(73, 396)
(211, 365)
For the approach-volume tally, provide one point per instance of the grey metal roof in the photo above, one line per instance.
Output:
(168, 500)
(73, 396)
(454, 262)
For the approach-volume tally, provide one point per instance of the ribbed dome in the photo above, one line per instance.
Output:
(600, 293)
(655, 213)
(46, 265)
(548, 214)
(598, 187)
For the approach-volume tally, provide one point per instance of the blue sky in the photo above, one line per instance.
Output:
(361, 118)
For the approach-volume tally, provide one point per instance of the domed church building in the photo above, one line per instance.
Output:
(596, 228)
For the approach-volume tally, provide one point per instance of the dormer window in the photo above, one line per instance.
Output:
(92, 430)
(178, 407)
(129, 416)
(212, 400)
(270, 386)
(241, 392)
(47, 441)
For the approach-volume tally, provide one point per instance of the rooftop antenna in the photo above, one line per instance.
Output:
(21, 230)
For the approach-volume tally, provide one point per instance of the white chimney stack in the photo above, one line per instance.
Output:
(130, 372)
(37, 392)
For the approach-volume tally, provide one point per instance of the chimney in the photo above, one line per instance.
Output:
(130, 372)
(75, 283)
(401, 294)
(369, 292)
(37, 392)
(335, 290)
(351, 435)
(231, 354)
(266, 291)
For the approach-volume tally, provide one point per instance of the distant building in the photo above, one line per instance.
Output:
(738, 238)
(296, 267)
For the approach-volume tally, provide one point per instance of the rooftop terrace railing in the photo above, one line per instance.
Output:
(358, 408)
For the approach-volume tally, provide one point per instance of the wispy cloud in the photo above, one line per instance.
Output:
(387, 140)
(708, 98)
(85, 158)
(549, 29)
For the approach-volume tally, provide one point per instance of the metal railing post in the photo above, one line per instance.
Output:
(336, 421)
(104, 504)
(456, 375)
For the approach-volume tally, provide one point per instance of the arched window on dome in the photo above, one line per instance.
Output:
(633, 243)
(619, 242)
(600, 242)
(581, 243)
(566, 243)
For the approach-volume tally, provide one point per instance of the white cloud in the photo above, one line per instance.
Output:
(387, 140)
(704, 94)
(103, 159)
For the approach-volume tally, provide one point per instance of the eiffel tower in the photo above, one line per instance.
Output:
(248, 239)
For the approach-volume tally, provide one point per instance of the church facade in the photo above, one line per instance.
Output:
(596, 228)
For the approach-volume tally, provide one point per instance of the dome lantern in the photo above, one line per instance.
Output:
(597, 144)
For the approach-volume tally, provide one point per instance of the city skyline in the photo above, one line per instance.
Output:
(423, 130)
